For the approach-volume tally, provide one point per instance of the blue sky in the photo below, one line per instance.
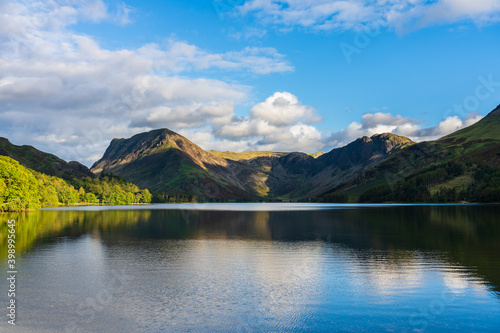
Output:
(244, 75)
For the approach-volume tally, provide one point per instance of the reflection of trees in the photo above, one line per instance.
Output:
(468, 235)
(39, 226)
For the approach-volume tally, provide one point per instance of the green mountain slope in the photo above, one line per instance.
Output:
(449, 169)
(485, 129)
(46, 163)
(229, 155)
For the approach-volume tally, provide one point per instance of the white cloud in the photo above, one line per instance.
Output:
(472, 118)
(344, 15)
(281, 122)
(185, 115)
(248, 33)
(70, 96)
(182, 56)
(123, 14)
(283, 108)
(376, 123)
(66, 94)
(450, 124)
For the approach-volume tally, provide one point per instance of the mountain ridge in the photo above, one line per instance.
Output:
(270, 175)
(40, 161)
(168, 163)
(474, 149)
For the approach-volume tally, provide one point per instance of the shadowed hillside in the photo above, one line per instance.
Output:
(43, 162)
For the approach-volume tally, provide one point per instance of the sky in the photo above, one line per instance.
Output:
(289, 75)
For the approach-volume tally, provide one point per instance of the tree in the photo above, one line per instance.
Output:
(91, 198)
(81, 194)
(19, 189)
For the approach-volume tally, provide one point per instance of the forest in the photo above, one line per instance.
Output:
(25, 189)
(444, 183)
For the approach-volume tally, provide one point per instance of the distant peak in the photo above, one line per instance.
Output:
(389, 135)
(163, 131)
(385, 135)
(495, 112)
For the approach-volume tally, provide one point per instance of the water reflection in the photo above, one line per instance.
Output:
(408, 267)
(468, 235)
(45, 226)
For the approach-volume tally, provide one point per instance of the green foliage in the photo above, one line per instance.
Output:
(379, 193)
(401, 192)
(19, 189)
(25, 189)
(416, 187)
(334, 198)
(164, 197)
(90, 198)
(485, 186)
(110, 189)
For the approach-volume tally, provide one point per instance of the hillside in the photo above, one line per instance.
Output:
(46, 163)
(164, 161)
(485, 129)
(229, 155)
(453, 168)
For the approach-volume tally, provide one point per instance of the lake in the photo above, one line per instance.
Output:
(256, 268)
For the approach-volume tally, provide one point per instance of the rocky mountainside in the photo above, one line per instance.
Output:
(164, 161)
(40, 161)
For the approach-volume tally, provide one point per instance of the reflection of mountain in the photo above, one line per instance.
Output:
(467, 235)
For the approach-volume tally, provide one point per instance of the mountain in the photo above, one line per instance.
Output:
(478, 143)
(456, 164)
(464, 165)
(485, 129)
(164, 161)
(40, 161)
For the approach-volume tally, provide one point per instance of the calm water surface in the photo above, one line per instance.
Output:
(256, 268)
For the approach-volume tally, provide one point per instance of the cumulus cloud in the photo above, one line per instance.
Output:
(283, 108)
(281, 122)
(186, 115)
(65, 93)
(344, 15)
(376, 123)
